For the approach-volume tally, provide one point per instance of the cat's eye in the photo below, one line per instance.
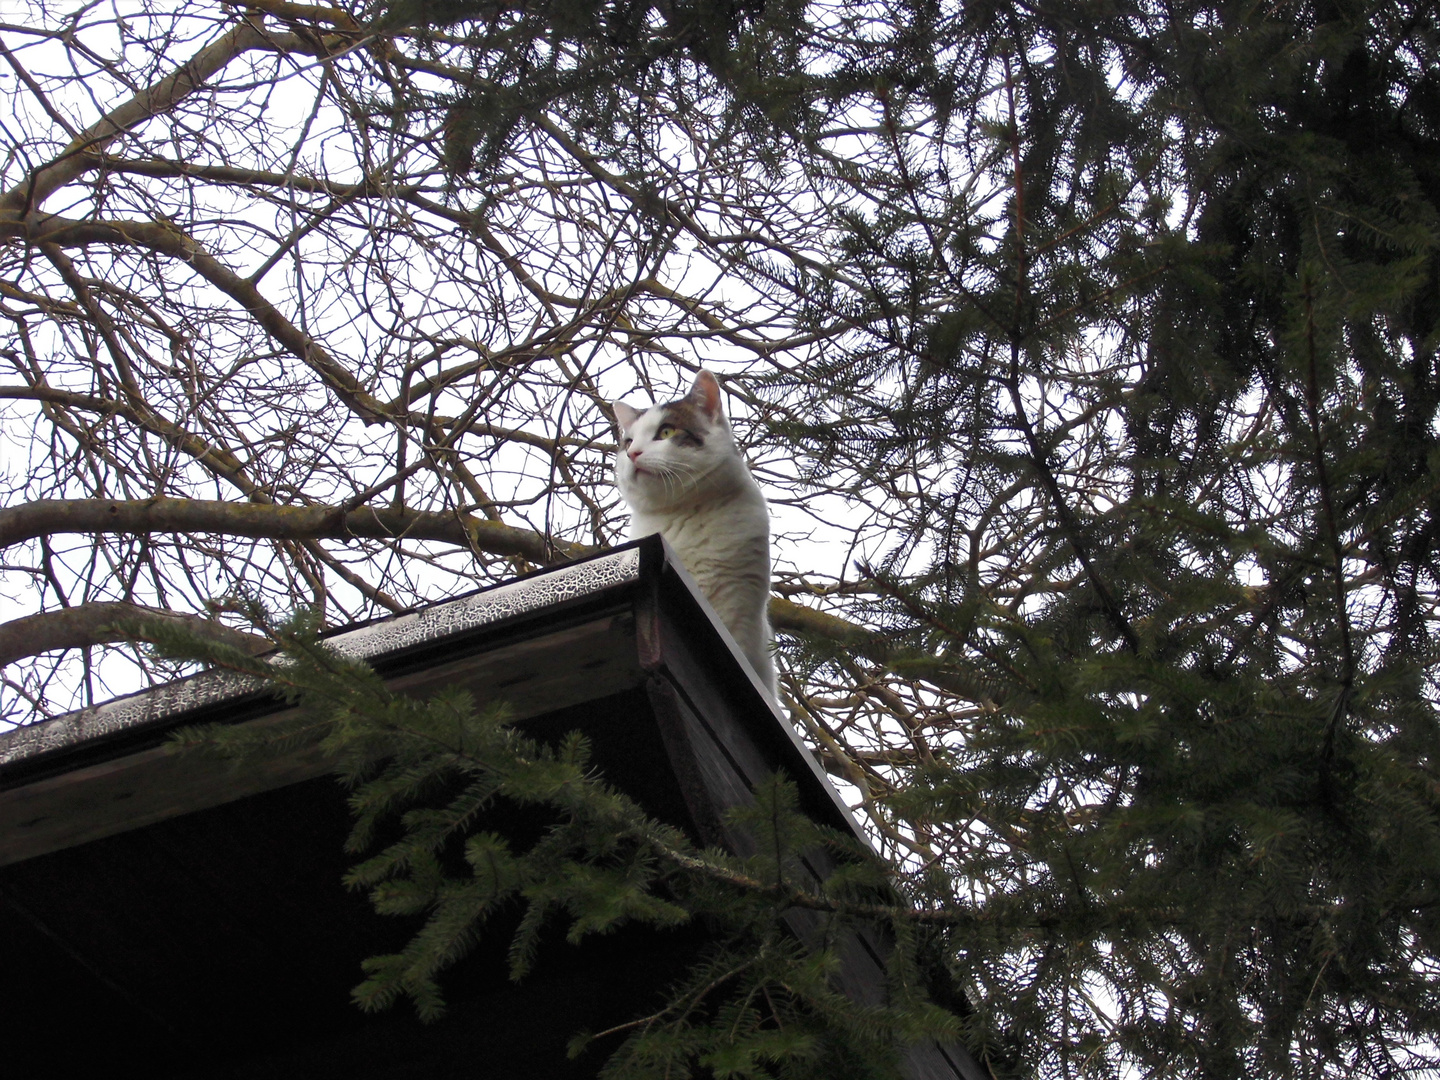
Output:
(667, 431)
(625, 443)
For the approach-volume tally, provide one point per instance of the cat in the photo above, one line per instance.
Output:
(682, 475)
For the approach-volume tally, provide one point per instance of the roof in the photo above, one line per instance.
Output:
(540, 642)
(191, 914)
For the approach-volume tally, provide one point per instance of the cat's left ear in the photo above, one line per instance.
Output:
(626, 415)
(706, 394)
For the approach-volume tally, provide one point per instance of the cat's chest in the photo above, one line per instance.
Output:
(712, 538)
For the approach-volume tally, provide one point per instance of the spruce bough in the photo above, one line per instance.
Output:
(757, 1003)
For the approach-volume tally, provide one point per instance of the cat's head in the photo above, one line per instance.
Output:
(678, 452)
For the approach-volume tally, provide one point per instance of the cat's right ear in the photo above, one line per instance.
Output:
(625, 415)
(706, 394)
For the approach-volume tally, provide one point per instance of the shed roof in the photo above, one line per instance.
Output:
(193, 912)
(540, 642)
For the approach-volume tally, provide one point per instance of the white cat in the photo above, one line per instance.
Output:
(682, 474)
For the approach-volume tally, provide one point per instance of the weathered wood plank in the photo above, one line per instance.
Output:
(535, 676)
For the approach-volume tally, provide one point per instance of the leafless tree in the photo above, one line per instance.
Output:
(259, 338)
(263, 338)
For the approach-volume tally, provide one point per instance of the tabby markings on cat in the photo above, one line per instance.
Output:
(682, 475)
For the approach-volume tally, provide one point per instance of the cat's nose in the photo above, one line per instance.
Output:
(634, 455)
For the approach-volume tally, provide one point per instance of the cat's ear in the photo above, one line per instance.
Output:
(706, 394)
(625, 414)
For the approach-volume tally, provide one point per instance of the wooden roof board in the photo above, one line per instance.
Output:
(413, 641)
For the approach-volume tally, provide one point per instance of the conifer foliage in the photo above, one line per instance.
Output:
(1162, 387)
(587, 60)
(427, 776)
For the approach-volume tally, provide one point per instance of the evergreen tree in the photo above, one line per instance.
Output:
(588, 62)
(1162, 390)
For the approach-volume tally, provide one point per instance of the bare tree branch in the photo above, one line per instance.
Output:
(78, 156)
(222, 462)
(168, 240)
(102, 622)
(49, 516)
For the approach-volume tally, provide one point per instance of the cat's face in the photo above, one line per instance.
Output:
(674, 453)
